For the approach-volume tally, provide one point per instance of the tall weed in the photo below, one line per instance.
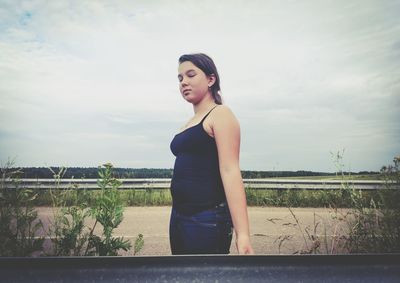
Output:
(74, 207)
(19, 223)
(370, 225)
(67, 231)
(108, 211)
(376, 227)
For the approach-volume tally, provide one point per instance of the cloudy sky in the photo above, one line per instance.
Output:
(88, 82)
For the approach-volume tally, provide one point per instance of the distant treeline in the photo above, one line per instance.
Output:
(125, 173)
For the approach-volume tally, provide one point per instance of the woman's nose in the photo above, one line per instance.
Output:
(183, 82)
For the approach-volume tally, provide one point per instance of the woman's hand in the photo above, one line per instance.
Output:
(243, 245)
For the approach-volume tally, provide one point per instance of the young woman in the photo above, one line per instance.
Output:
(207, 187)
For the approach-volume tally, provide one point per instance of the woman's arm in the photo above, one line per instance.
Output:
(227, 136)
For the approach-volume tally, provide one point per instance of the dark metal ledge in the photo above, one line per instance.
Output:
(200, 268)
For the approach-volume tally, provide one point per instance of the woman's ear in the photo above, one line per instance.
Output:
(211, 80)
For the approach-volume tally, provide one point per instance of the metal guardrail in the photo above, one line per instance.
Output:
(202, 268)
(275, 184)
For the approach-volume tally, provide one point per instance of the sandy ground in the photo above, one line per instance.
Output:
(153, 223)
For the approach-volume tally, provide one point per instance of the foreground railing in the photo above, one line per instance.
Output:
(295, 184)
(280, 268)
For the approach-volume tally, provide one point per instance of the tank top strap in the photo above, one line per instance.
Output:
(207, 114)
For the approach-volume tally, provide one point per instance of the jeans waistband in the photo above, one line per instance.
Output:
(180, 210)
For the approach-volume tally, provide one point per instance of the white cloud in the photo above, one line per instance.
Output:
(304, 78)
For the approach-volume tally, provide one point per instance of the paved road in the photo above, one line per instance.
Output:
(267, 224)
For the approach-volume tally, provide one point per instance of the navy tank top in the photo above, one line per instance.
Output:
(196, 183)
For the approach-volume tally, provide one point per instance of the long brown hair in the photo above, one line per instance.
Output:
(206, 64)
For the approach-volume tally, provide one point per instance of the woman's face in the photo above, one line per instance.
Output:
(193, 82)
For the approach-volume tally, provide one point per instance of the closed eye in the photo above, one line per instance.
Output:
(190, 74)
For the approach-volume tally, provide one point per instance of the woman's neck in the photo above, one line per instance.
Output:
(203, 106)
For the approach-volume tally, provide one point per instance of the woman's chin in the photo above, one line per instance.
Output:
(188, 98)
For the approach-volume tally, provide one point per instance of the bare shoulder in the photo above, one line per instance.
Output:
(224, 114)
(221, 117)
(224, 118)
(223, 111)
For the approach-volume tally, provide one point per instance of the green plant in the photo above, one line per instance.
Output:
(19, 223)
(108, 211)
(376, 227)
(370, 225)
(74, 207)
(67, 232)
(374, 219)
(139, 242)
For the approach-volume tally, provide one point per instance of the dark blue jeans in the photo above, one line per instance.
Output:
(206, 232)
